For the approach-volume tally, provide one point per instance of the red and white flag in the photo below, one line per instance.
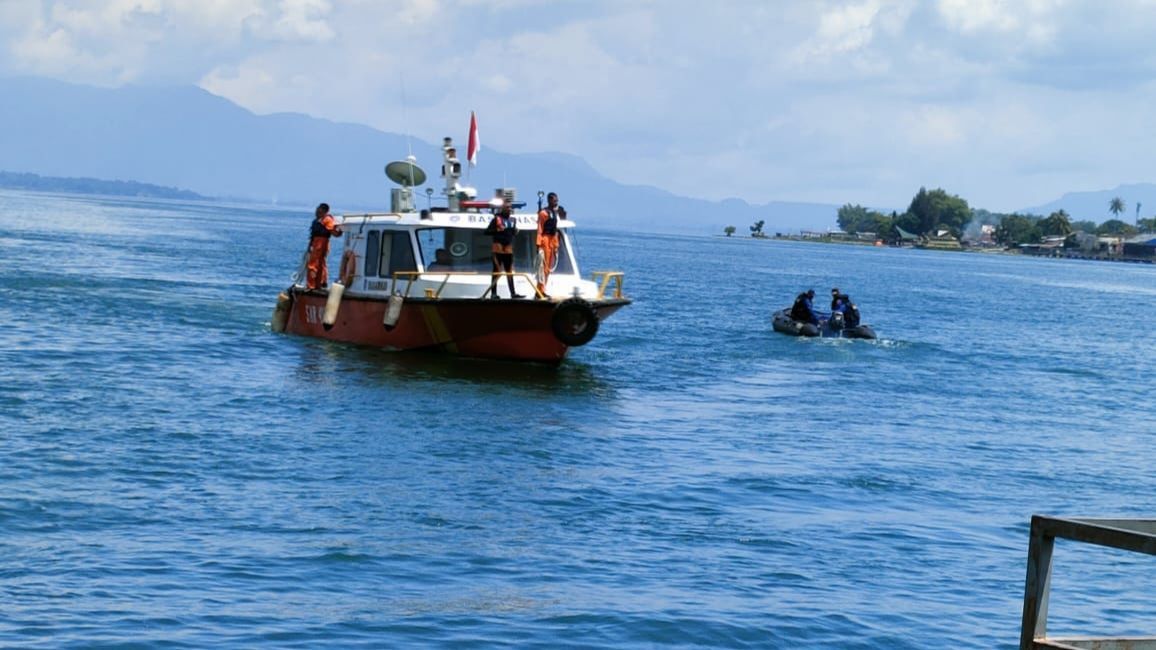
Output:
(475, 144)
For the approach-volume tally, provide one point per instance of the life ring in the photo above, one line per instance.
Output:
(574, 322)
(348, 267)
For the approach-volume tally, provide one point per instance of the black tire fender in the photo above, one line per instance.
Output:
(574, 322)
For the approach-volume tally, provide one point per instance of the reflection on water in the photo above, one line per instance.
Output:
(331, 362)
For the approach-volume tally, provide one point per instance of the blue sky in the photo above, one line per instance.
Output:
(1008, 104)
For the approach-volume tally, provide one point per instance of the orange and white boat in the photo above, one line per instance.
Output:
(396, 291)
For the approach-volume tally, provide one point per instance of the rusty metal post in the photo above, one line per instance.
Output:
(1037, 585)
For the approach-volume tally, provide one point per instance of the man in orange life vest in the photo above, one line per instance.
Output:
(323, 227)
(547, 240)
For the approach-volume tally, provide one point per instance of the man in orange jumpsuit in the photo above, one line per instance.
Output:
(323, 227)
(547, 240)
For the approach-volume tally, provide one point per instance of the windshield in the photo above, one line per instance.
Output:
(464, 250)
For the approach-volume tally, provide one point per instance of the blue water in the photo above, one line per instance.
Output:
(175, 475)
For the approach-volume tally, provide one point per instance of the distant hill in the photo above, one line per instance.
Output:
(186, 137)
(1093, 206)
(15, 181)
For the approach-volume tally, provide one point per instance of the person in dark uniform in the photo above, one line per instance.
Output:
(850, 311)
(802, 309)
(503, 228)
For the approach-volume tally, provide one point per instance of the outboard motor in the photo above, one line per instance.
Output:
(836, 321)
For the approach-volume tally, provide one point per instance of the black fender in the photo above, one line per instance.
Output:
(574, 322)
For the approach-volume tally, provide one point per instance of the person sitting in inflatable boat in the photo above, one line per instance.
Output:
(841, 304)
(802, 310)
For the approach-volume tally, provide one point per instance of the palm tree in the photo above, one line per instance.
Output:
(1137, 213)
(1116, 206)
(1057, 223)
(757, 229)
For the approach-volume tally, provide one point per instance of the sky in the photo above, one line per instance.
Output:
(1006, 104)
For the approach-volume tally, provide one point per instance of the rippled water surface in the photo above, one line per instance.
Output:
(175, 475)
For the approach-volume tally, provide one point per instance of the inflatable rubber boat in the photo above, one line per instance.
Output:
(830, 327)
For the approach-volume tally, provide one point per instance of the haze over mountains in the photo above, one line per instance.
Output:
(185, 137)
(1093, 205)
(188, 138)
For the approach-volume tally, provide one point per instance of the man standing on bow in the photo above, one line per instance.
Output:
(548, 239)
(503, 229)
(323, 227)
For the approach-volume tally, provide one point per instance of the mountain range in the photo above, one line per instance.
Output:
(1093, 205)
(185, 137)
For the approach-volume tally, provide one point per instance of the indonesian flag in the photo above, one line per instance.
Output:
(475, 144)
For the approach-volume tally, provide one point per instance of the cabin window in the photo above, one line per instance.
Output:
(468, 249)
(372, 251)
(396, 254)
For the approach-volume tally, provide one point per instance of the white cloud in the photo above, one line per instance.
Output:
(852, 28)
(116, 41)
(293, 21)
(975, 15)
(858, 100)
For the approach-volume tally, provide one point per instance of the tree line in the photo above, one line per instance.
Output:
(35, 182)
(934, 211)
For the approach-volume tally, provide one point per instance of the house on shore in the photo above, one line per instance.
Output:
(904, 238)
(1141, 246)
(940, 240)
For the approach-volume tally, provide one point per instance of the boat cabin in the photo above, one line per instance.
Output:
(447, 252)
(443, 251)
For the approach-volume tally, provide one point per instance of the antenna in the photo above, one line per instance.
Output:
(404, 113)
(407, 174)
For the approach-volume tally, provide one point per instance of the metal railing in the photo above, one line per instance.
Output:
(411, 276)
(603, 279)
(1137, 535)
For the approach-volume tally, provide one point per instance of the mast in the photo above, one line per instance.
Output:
(452, 171)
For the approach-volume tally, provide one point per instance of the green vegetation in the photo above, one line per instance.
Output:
(729, 230)
(757, 229)
(1057, 223)
(936, 210)
(1017, 229)
(928, 213)
(856, 219)
(1115, 227)
(935, 216)
(1116, 206)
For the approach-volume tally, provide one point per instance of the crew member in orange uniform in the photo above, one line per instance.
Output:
(547, 240)
(323, 227)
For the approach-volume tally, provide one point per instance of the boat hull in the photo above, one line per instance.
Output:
(491, 329)
(783, 323)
